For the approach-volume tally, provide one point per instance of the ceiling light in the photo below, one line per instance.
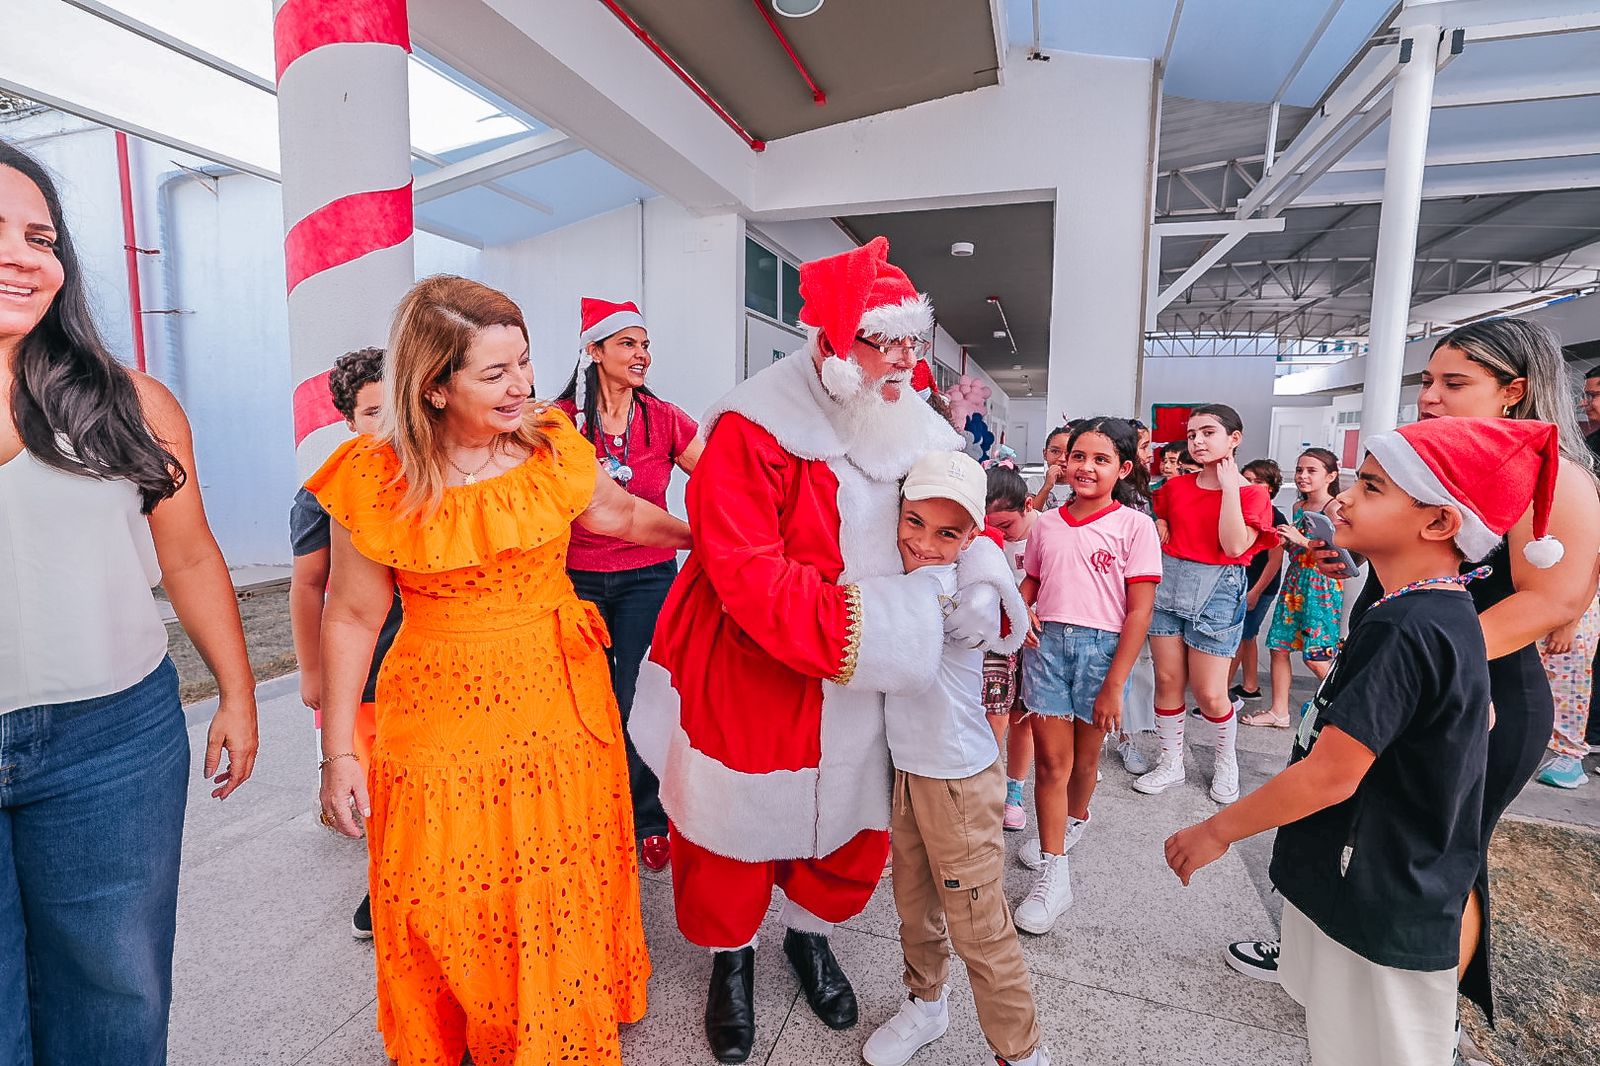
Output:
(961, 249)
(1016, 366)
(797, 9)
(1000, 334)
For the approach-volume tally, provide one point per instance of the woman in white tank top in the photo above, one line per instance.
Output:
(97, 505)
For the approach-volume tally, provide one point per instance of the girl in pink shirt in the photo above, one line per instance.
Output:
(1091, 572)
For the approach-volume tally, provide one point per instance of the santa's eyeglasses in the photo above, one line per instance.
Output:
(916, 349)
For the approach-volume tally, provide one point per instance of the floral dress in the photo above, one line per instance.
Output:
(505, 892)
(1310, 606)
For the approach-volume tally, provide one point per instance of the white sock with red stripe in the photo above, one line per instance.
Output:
(1227, 730)
(1169, 727)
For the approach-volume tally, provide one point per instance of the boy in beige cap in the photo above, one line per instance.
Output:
(949, 788)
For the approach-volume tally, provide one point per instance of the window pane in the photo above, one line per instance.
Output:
(791, 294)
(760, 279)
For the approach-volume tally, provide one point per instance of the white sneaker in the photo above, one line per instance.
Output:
(914, 1027)
(1224, 780)
(1168, 772)
(1040, 1057)
(1050, 898)
(1031, 854)
(1133, 759)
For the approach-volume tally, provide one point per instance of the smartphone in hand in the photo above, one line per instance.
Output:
(1320, 527)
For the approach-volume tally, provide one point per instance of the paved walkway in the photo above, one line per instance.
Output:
(266, 971)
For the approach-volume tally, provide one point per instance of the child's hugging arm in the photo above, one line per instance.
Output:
(1030, 596)
(1329, 775)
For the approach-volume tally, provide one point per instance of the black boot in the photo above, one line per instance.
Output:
(827, 988)
(730, 1005)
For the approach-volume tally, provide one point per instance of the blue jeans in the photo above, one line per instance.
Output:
(92, 795)
(629, 601)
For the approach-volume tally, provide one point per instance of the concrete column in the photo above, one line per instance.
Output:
(1397, 228)
(1096, 308)
(345, 140)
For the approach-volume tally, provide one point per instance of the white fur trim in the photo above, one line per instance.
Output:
(984, 563)
(788, 400)
(615, 322)
(842, 377)
(902, 633)
(782, 814)
(911, 317)
(1407, 470)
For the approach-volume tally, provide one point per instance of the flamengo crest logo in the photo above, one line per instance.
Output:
(1102, 560)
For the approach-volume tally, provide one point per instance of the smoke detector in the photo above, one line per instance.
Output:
(797, 9)
(961, 249)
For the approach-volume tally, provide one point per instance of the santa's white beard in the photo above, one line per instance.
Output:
(884, 437)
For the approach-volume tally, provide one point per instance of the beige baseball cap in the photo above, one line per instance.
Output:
(949, 476)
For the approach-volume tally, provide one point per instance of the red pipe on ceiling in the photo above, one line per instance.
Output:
(755, 143)
(131, 247)
(817, 94)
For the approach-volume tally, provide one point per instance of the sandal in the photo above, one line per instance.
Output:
(1266, 718)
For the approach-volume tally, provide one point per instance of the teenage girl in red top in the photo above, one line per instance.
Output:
(1210, 524)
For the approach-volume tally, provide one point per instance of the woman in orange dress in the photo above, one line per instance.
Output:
(505, 899)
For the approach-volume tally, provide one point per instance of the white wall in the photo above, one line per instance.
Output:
(1243, 383)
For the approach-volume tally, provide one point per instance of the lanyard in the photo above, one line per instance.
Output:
(619, 470)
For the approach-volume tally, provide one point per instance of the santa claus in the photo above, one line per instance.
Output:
(761, 705)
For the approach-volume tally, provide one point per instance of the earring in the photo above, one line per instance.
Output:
(1505, 411)
(437, 403)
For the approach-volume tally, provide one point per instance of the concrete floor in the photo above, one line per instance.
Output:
(266, 970)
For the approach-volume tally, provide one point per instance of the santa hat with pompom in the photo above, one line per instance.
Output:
(922, 382)
(1488, 469)
(597, 320)
(854, 293)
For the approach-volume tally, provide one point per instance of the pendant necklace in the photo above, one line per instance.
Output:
(618, 469)
(470, 477)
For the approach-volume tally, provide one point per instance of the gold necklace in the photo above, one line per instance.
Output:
(470, 477)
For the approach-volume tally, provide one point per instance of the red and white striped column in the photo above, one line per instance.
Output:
(344, 135)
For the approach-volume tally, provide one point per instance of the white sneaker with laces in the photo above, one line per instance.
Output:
(916, 1025)
(1031, 854)
(1254, 958)
(1133, 760)
(1168, 772)
(1040, 1057)
(1225, 779)
(1050, 898)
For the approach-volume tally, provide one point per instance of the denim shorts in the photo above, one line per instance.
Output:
(1061, 678)
(1201, 602)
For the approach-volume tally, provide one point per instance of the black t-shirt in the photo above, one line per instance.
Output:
(1386, 873)
(1253, 569)
(308, 533)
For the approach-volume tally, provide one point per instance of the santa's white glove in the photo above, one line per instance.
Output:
(975, 619)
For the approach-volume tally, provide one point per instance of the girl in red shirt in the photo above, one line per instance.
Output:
(1210, 524)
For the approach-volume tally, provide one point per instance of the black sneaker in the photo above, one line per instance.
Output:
(1239, 692)
(1255, 958)
(361, 924)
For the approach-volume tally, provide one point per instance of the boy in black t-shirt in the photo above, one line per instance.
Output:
(1380, 807)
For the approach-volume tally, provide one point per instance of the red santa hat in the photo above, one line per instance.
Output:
(859, 292)
(597, 320)
(922, 379)
(1489, 469)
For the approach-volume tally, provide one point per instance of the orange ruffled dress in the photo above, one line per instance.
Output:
(505, 895)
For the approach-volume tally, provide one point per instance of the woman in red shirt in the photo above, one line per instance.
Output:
(638, 439)
(1210, 524)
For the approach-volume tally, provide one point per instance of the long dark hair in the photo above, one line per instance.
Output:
(1125, 439)
(1330, 463)
(66, 384)
(1006, 491)
(591, 398)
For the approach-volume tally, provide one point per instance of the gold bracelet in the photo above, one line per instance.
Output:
(335, 758)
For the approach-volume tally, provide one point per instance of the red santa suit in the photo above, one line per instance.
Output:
(761, 704)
